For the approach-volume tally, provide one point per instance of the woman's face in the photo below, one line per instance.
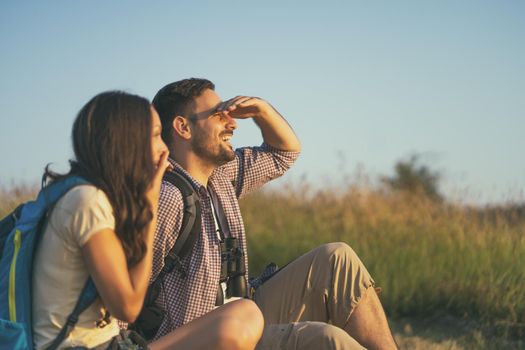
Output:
(157, 145)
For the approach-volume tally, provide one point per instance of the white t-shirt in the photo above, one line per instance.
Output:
(59, 270)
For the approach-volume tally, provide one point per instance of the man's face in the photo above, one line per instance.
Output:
(211, 131)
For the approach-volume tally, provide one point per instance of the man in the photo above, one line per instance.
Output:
(323, 300)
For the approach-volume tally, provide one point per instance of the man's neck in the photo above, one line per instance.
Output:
(195, 166)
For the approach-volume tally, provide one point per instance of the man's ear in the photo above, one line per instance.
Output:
(182, 128)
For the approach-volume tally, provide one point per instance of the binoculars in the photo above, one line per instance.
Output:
(233, 271)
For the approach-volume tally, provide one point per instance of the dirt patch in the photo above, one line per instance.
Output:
(446, 332)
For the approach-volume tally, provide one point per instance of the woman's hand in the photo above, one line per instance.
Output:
(154, 189)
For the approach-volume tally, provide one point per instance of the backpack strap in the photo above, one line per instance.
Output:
(87, 297)
(190, 228)
(7, 225)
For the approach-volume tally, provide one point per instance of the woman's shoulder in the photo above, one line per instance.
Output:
(83, 211)
(82, 196)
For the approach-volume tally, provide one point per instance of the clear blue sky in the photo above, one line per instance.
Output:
(361, 82)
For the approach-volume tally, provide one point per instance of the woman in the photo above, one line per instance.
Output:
(105, 231)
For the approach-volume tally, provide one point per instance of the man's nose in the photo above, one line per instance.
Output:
(231, 123)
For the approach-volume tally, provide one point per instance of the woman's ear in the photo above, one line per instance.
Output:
(182, 127)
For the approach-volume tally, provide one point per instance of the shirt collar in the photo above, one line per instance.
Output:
(179, 168)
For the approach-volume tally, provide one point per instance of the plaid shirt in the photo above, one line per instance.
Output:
(194, 296)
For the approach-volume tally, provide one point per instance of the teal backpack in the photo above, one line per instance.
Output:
(20, 234)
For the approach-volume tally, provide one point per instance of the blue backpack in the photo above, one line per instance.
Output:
(20, 233)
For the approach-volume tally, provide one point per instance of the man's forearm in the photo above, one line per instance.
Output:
(276, 131)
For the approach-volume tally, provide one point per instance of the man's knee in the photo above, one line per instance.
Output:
(326, 336)
(348, 276)
(330, 334)
(338, 251)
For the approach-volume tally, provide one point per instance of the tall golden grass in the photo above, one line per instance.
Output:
(13, 195)
(429, 257)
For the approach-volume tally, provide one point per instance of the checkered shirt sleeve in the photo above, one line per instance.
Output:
(255, 166)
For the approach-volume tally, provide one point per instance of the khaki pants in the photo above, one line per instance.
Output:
(306, 305)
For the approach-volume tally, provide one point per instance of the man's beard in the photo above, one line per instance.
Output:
(216, 152)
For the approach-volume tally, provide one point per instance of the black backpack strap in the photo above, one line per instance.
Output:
(87, 297)
(190, 228)
(191, 220)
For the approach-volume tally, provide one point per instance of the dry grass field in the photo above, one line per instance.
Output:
(452, 276)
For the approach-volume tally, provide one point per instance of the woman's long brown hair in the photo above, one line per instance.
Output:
(112, 145)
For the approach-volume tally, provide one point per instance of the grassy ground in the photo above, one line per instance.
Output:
(440, 332)
(452, 276)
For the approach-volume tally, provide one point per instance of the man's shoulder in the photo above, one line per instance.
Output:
(170, 197)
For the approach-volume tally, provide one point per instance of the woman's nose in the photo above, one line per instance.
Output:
(163, 147)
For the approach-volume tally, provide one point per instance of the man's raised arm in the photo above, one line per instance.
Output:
(275, 130)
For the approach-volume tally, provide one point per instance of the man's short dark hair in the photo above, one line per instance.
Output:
(176, 99)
